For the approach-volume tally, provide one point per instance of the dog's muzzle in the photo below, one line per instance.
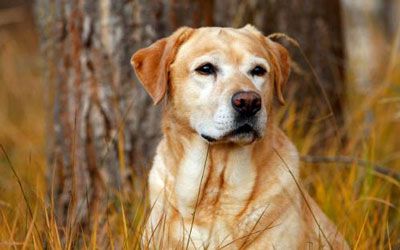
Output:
(246, 106)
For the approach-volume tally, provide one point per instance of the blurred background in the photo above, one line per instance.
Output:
(78, 132)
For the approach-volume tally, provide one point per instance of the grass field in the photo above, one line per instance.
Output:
(365, 204)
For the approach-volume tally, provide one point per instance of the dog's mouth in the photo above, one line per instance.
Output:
(245, 133)
(208, 138)
(244, 129)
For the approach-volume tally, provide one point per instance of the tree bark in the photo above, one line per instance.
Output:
(106, 128)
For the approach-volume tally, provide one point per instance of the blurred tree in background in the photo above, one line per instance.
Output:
(106, 128)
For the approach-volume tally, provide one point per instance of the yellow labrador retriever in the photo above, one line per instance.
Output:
(224, 175)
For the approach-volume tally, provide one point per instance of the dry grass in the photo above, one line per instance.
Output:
(363, 203)
(22, 128)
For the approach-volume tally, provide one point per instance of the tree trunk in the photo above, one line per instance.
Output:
(106, 128)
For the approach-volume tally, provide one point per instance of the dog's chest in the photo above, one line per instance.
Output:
(215, 183)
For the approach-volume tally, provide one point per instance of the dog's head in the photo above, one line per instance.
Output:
(220, 81)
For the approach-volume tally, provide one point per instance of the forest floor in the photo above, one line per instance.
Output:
(364, 203)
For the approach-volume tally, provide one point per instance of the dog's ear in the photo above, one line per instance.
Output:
(151, 64)
(282, 68)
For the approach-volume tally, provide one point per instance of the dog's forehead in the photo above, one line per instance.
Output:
(227, 40)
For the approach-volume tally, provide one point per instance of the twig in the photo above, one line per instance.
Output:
(318, 159)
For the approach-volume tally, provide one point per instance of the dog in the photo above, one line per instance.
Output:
(224, 175)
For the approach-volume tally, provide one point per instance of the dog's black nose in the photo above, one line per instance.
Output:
(247, 103)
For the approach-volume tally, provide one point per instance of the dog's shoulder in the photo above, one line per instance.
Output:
(283, 148)
(320, 227)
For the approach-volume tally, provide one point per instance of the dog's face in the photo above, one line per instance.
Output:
(221, 81)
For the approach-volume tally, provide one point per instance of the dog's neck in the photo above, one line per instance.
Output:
(200, 169)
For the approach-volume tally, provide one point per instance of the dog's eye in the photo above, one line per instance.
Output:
(206, 69)
(258, 71)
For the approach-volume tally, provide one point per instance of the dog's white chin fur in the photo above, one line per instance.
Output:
(240, 138)
(243, 139)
